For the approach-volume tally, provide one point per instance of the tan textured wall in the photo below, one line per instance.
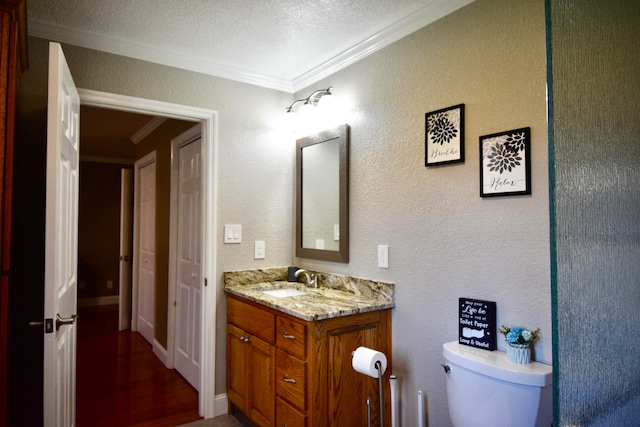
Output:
(445, 242)
(98, 228)
(254, 158)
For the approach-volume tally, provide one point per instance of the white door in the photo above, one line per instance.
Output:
(189, 263)
(61, 244)
(146, 251)
(124, 276)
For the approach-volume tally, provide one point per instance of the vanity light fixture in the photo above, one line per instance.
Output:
(312, 100)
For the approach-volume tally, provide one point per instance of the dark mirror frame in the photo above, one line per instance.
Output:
(342, 254)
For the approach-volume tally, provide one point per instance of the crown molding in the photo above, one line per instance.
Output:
(103, 159)
(421, 18)
(129, 49)
(387, 36)
(145, 130)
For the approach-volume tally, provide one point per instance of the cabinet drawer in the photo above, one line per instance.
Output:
(291, 379)
(256, 321)
(287, 416)
(291, 336)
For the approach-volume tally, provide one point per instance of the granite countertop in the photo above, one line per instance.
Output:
(319, 303)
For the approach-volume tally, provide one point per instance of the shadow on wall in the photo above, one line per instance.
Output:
(91, 281)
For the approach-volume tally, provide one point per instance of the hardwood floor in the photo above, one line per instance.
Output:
(120, 382)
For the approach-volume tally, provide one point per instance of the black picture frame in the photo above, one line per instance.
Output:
(444, 136)
(505, 163)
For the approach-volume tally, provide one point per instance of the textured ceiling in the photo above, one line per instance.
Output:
(107, 133)
(282, 44)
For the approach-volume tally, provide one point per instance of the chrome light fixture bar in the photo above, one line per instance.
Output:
(312, 99)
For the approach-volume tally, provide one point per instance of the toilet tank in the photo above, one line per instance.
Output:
(485, 389)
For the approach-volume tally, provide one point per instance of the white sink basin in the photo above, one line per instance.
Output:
(284, 292)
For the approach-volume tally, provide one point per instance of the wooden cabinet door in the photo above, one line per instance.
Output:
(250, 376)
(262, 389)
(348, 389)
(238, 368)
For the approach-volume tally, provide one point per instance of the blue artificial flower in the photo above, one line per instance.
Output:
(512, 336)
(518, 335)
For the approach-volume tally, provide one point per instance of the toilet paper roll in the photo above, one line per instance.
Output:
(364, 361)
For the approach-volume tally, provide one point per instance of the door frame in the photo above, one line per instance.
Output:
(143, 162)
(209, 123)
(177, 143)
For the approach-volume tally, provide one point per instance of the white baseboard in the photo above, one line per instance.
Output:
(161, 353)
(221, 404)
(90, 302)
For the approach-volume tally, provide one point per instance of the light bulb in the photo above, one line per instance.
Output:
(306, 111)
(326, 102)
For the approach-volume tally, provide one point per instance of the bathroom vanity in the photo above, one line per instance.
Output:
(289, 357)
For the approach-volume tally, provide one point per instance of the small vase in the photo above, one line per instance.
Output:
(519, 353)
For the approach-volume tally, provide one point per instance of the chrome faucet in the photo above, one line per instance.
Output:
(312, 279)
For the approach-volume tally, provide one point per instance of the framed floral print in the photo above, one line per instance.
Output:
(444, 136)
(505, 163)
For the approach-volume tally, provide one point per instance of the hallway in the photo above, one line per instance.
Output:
(120, 382)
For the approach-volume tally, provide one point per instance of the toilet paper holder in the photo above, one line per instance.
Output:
(380, 369)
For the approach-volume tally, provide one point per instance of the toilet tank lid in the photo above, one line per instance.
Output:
(495, 364)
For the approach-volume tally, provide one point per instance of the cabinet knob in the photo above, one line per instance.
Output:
(288, 336)
(288, 380)
(245, 339)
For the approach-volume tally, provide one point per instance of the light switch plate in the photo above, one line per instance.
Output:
(232, 233)
(259, 249)
(383, 256)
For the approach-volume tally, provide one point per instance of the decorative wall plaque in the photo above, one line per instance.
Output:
(477, 323)
(444, 136)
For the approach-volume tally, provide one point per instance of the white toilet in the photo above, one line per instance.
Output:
(484, 389)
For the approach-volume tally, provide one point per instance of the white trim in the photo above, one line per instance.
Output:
(76, 37)
(176, 143)
(400, 29)
(208, 120)
(419, 19)
(112, 160)
(145, 130)
(96, 301)
(160, 352)
(221, 404)
(138, 165)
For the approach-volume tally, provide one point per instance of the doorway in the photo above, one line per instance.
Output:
(207, 120)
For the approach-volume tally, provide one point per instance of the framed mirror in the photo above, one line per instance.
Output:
(322, 195)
